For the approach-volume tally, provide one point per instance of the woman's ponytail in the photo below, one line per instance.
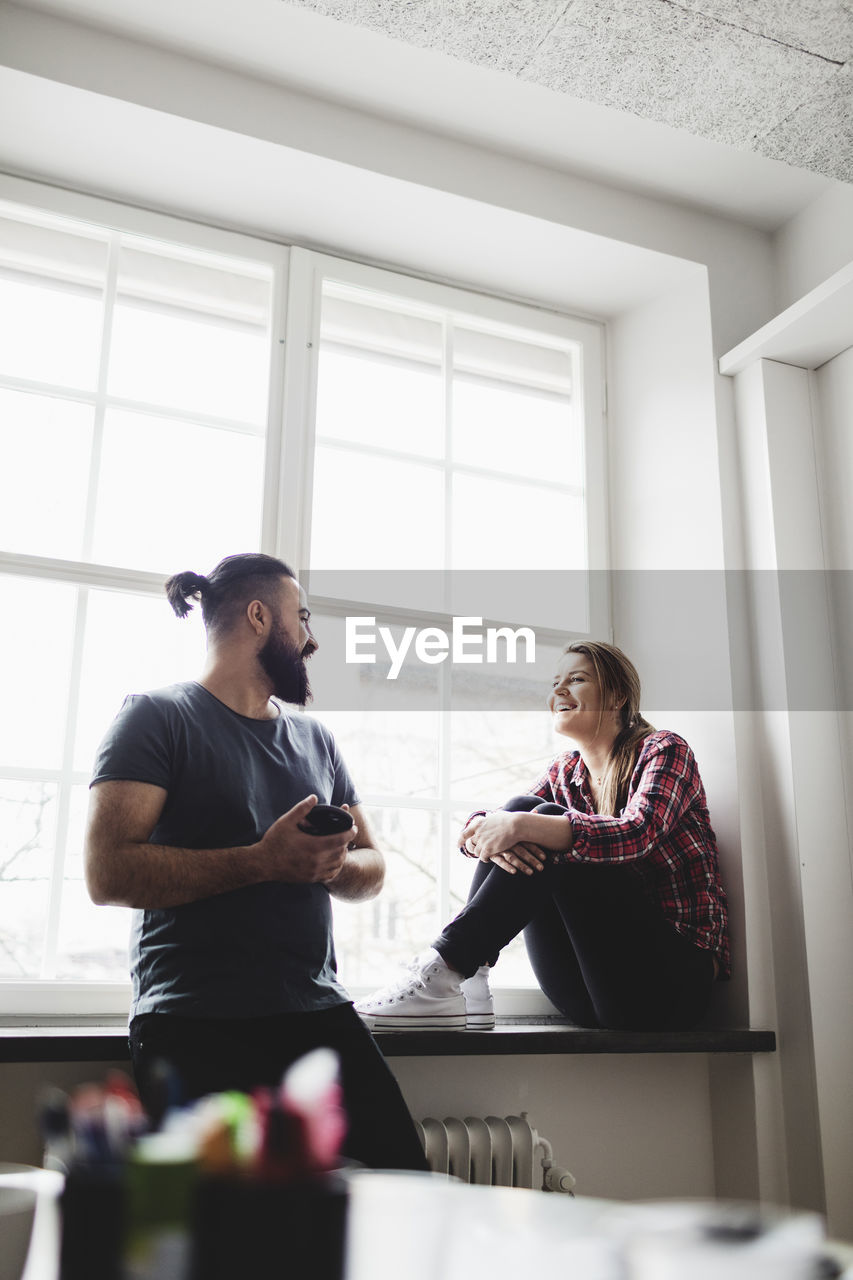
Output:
(623, 758)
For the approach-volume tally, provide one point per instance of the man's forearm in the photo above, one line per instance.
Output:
(151, 876)
(361, 877)
(124, 869)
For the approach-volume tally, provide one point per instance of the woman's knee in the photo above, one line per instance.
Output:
(521, 804)
(532, 804)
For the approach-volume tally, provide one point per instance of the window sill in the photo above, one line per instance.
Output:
(106, 1040)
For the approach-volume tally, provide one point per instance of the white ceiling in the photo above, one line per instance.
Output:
(770, 76)
(497, 73)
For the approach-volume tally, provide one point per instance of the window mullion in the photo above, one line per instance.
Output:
(51, 931)
(447, 374)
(444, 679)
(110, 289)
(302, 336)
(111, 577)
(380, 451)
(173, 414)
(274, 447)
(445, 781)
(53, 390)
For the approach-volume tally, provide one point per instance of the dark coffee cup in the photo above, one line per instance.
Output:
(326, 820)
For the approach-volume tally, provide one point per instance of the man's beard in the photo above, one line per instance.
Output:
(285, 666)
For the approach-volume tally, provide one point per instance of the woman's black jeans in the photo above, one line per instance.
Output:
(600, 948)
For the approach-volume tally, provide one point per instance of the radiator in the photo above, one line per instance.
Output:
(493, 1151)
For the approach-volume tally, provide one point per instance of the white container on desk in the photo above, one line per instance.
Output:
(29, 1222)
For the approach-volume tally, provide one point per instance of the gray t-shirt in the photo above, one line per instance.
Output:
(260, 950)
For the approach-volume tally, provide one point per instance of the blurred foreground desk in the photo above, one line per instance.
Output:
(426, 1227)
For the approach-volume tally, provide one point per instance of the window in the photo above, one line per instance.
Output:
(453, 471)
(134, 406)
(170, 395)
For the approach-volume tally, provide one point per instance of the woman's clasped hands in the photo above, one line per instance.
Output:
(497, 837)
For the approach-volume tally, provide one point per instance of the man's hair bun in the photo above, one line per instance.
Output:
(181, 588)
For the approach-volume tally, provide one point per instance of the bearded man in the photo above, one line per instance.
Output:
(197, 807)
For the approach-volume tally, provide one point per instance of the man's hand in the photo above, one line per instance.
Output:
(297, 857)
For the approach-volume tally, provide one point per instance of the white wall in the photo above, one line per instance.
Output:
(833, 385)
(663, 433)
(814, 244)
(618, 1123)
(831, 963)
(120, 117)
(627, 1126)
(667, 543)
(793, 771)
(776, 953)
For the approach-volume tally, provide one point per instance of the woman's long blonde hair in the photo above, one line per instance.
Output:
(619, 682)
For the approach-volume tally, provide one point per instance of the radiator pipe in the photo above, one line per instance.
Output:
(554, 1178)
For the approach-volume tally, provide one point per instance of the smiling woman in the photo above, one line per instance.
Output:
(608, 867)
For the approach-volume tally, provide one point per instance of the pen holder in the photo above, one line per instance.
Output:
(94, 1212)
(266, 1229)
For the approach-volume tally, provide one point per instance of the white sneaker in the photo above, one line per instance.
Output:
(427, 997)
(479, 1004)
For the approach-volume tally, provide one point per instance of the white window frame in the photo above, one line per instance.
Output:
(298, 275)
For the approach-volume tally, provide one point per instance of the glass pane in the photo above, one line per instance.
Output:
(341, 685)
(27, 833)
(499, 525)
(371, 399)
(43, 507)
(133, 643)
(35, 658)
(498, 754)
(190, 335)
(380, 323)
(388, 752)
(93, 941)
(523, 432)
(372, 938)
(51, 306)
(522, 358)
(176, 495)
(375, 513)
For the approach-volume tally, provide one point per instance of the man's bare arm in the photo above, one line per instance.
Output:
(123, 869)
(363, 873)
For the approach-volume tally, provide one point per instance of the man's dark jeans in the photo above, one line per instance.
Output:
(211, 1055)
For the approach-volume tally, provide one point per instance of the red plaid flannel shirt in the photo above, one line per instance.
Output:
(664, 832)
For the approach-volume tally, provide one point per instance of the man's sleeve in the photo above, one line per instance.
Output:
(137, 747)
(343, 787)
